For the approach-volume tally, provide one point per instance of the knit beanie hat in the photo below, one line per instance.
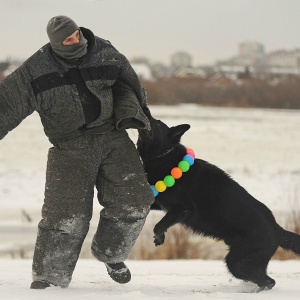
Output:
(58, 29)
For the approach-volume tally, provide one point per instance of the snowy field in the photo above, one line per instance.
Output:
(259, 148)
(193, 279)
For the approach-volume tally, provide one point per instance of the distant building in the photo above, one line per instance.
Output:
(142, 70)
(181, 59)
(9, 65)
(159, 70)
(284, 62)
(188, 72)
(4, 65)
(10, 69)
(251, 49)
(233, 71)
(251, 55)
(140, 60)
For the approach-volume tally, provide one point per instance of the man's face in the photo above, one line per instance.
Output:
(72, 39)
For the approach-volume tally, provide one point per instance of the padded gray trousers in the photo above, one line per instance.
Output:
(110, 163)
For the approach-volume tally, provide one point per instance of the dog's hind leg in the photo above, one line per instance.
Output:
(171, 218)
(249, 262)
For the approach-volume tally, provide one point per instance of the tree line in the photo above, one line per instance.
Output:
(251, 93)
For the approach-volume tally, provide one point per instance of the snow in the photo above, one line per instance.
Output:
(259, 148)
(192, 279)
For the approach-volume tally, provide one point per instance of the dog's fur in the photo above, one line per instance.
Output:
(211, 203)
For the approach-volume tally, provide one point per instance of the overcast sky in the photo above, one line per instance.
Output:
(207, 29)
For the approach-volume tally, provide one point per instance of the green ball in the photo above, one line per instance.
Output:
(169, 180)
(184, 166)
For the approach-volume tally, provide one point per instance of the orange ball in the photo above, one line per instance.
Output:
(176, 173)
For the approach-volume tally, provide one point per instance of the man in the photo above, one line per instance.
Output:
(86, 94)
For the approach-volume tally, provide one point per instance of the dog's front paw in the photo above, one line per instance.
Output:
(159, 239)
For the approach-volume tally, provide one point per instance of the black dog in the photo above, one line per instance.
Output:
(211, 203)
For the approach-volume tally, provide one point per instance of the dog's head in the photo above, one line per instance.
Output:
(160, 139)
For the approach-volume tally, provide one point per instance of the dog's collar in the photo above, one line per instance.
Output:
(176, 173)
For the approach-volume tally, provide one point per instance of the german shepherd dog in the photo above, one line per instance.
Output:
(211, 203)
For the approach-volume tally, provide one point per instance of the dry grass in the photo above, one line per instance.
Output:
(180, 243)
(282, 254)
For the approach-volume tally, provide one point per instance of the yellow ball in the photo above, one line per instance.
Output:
(160, 186)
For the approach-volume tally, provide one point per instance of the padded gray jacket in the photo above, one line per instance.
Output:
(44, 83)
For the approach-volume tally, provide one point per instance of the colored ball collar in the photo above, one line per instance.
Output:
(176, 173)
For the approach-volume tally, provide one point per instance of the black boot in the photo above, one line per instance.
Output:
(39, 285)
(118, 272)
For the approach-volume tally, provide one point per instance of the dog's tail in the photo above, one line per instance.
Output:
(289, 240)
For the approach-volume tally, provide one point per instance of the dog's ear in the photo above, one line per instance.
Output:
(178, 131)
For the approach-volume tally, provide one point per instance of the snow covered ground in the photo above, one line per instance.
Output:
(259, 148)
(193, 279)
